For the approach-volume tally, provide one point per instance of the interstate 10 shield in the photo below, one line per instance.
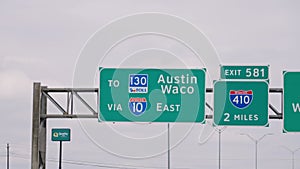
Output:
(151, 95)
(137, 106)
(241, 103)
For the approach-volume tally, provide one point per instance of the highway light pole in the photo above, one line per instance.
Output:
(256, 141)
(293, 154)
(219, 130)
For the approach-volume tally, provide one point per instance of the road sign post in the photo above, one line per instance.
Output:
(152, 95)
(291, 101)
(60, 135)
(241, 103)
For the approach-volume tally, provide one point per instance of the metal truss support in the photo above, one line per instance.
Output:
(42, 94)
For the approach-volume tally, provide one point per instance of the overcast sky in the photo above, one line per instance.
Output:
(41, 42)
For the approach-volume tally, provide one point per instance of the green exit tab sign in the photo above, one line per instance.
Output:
(59, 134)
(245, 72)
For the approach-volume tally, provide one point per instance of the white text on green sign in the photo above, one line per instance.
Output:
(59, 134)
(152, 95)
(244, 72)
(291, 101)
(241, 103)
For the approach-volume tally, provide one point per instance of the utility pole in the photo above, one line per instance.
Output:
(256, 141)
(7, 156)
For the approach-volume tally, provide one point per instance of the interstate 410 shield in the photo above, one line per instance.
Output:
(152, 95)
(241, 103)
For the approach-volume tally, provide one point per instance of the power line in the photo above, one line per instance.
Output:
(123, 165)
(93, 164)
(27, 156)
(90, 164)
(76, 163)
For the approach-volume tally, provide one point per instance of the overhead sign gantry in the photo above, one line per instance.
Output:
(43, 94)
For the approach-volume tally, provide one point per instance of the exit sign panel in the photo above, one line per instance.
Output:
(244, 72)
(241, 103)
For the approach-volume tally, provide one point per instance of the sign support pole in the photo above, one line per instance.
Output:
(43, 130)
(220, 132)
(7, 156)
(35, 126)
(169, 146)
(60, 154)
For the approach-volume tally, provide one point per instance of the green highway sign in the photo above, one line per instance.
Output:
(291, 101)
(241, 103)
(245, 72)
(59, 134)
(152, 95)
